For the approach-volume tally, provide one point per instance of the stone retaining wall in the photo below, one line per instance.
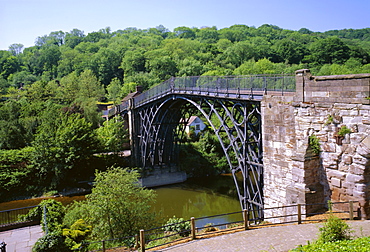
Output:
(294, 173)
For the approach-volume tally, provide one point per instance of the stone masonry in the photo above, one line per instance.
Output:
(293, 172)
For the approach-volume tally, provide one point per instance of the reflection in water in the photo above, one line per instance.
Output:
(199, 198)
(194, 198)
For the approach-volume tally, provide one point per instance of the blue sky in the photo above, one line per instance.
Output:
(22, 21)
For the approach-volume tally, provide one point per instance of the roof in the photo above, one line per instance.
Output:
(192, 119)
(131, 95)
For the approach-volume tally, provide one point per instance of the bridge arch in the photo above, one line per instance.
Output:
(236, 123)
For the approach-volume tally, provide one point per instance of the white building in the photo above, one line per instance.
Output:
(196, 124)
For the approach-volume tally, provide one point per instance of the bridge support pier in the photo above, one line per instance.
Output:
(303, 161)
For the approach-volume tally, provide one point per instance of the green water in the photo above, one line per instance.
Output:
(193, 198)
(199, 198)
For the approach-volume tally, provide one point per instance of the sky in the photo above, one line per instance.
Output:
(22, 21)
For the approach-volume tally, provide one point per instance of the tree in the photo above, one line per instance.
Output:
(63, 146)
(207, 35)
(239, 52)
(133, 62)
(163, 68)
(105, 64)
(184, 32)
(9, 66)
(112, 135)
(12, 132)
(190, 67)
(114, 90)
(328, 51)
(117, 206)
(289, 51)
(81, 93)
(235, 33)
(16, 49)
(74, 37)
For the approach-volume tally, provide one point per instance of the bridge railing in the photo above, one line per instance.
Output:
(228, 86)
(222, 85)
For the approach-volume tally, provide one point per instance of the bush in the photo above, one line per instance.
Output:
(117, 206)
(178, 225)
(52, 242)
(54, 215)
(360, 244)
(333, 230)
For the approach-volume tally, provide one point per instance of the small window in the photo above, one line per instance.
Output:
(197, 127)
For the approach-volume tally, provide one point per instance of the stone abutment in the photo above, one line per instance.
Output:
(334, 112)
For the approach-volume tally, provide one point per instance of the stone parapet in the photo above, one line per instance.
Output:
(352, 89)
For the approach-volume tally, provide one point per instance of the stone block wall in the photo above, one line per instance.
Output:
(293, 172)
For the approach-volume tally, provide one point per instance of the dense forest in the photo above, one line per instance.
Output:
(49, 124)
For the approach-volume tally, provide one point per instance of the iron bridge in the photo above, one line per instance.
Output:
(231, 108)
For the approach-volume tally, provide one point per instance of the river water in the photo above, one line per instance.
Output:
(194, 198)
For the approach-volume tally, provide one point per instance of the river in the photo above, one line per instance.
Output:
(193, 198)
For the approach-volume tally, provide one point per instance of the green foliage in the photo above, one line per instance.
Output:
(360, 244)
(330, 120)
(117, 206)
(52, 242)
(54, 215)
(178, 225)
(335, 229)
(335, 237)
(112, 135)
(71, 143)
(344, 130)
(15, 175)
(314, 143)
(72, 71)
(77, 233)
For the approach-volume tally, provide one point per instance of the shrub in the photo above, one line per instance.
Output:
(335, 229)
(52, 242)
(54, 215)
(77, 233)
(178, 225)
(360, 244)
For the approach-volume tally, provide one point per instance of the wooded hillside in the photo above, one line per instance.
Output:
(49, 124)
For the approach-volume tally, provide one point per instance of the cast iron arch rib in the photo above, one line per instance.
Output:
(238, 128)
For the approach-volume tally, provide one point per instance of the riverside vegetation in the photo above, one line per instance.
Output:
(50, 128)
(51, 131)
(117, 207)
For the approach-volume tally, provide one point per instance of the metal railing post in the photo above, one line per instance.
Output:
(299, 213)
(193, 229)
(351, 210)
(142, 240)
(246, 219)
(103, 245)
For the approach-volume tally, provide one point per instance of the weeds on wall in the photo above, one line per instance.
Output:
(343, 131)
(313, 142)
